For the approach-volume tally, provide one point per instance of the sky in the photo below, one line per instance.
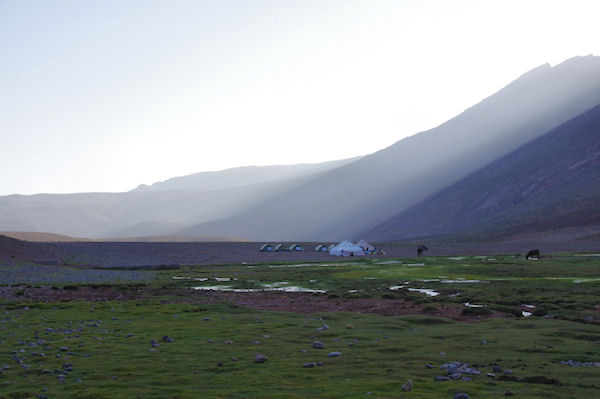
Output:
(106, 95)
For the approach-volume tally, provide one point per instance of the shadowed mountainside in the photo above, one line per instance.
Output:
(549, 184)
(352, 199)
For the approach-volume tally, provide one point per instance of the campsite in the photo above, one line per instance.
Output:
(357, 326)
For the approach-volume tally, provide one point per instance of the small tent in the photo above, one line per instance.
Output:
(365, 246)
(266, 248)
(321, 248)
(281, 248)
(346, 248)
(296, 247)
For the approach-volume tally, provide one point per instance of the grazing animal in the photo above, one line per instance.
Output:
(534, 253)
(420, 249)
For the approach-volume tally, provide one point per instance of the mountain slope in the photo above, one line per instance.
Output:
(550, 183)
(351, 199)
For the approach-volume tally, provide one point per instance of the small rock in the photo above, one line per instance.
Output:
(442, 353)
(129, 335)
(309, 365)
(441, 378)
(455, 376)
(318, 345)
(491, 375)
(509, 393)
(260, 358)
(497, 369)
(461, 395)
(407, 386)
(429, 366)
(349, 326)
(507, 371)
(334, 354)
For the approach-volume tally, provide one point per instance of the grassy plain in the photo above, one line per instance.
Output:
(108, 344)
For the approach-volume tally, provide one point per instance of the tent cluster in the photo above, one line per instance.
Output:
(347, 248)
(281, 248)
(344, 248)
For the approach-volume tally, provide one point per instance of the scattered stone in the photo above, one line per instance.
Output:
(234, 359)
(442, 353)
(63, 348)
(441, 378)
(455, 376)
(349, 326)
(497, 369)
(429, 366)
(579, 364)
(260, 358)
(467, 379)
(461, 395)
(509, 393)
(318, 345)
(42, 396)
(407, 386)
(491, 375)
(309, 365)
(129, 335)
(207, 319)
(219, 364)
(507, 371)
(334, 354)
(166, 338)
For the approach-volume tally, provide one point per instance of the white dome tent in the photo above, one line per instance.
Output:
(346, 248)
(366, 246)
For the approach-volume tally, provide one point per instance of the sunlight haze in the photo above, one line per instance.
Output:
(107, 95)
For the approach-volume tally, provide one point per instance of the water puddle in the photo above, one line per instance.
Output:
(315, 265)
(426, 291)
(228, 288)
(471, 305)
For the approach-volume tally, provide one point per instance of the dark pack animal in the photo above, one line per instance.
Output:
(534, 253)
(420, 249)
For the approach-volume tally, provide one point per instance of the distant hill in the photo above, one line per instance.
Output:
(550, 185)
(41, 236)
(159, 209)
(12, 250)
(242, 176)
(354, 198)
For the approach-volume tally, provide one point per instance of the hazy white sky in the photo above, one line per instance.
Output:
(106, 95)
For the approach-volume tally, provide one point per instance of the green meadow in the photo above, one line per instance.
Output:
(85, 349)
